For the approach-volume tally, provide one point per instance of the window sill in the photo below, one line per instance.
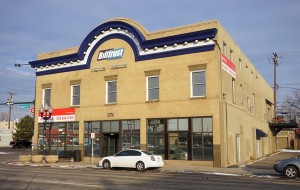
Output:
(152, 101)
(74, 106)
(111, 104)
(197, 98)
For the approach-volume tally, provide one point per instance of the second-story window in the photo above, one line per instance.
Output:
(241, 93)
(152, 88)
(231, 55)
(198, 86)
(75, 93)
(47, 96)
(224, 48)
(111, 92)
(240, 64)
(233, 91)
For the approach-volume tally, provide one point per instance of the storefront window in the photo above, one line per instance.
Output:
(108, 136)
(131, 134)
(61, 137)
(114, 127)
(202, 138)
(178, 139)
(91, 127)
(183, 142)
(155, 136)
(178, 124)
(43, 145)
(110, 127)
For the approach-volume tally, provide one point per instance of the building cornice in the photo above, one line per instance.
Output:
(143, 49)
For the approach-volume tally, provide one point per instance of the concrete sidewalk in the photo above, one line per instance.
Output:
(261, 167)
(234, 171)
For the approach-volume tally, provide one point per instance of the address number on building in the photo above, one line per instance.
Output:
(110, 115)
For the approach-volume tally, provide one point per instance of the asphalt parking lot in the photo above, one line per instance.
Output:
(267, 162)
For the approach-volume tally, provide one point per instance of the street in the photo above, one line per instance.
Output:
(16, 177)
(35, 177)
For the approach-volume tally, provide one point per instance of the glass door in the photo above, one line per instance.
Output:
(110, 145)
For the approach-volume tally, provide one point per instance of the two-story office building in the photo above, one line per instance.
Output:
(187, 93)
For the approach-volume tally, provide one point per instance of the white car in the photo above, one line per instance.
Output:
(132, 158)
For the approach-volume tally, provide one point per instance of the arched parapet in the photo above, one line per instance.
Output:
(137, 37)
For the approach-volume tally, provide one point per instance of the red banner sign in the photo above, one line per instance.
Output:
(228, 66)
(61, 115)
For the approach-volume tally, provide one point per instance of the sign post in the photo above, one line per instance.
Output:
(92, 137)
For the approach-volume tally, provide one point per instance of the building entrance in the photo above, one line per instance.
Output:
(110, 144)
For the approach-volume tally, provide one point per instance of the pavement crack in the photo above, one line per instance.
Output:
(31, 181)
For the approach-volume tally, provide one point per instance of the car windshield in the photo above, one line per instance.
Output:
(147, 153)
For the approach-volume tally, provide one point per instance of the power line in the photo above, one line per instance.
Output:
(14, 75)
(283, 55)
(16, 89)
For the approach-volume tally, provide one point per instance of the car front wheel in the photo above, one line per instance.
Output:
(140, 166)
(106, 164)
(291, 172)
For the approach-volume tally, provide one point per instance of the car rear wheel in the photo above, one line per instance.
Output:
(106, 164)
(291, 172)
(140, 166)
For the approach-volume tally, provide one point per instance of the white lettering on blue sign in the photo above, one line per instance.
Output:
(111, 54)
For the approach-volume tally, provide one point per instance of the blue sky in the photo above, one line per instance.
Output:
(30, 27)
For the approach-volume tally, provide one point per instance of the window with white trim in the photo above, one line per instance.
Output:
(231, 55)
(249, 104)
(241, 93)
(240, 64)
(75, 95)
(111, 92)
(152, 88)
(224, 48)
(198, 86)
(233, 91)
(47, 96)
(253, 100)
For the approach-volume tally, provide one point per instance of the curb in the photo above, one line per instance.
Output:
(218, 171)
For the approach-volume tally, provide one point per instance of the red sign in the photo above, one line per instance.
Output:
(228, 66)
(59, 115)
(32, 109)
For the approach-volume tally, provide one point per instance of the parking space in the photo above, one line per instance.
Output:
(267, 163)
(9, 153)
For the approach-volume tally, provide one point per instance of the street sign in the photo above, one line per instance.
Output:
(24, 106)
(32, 109)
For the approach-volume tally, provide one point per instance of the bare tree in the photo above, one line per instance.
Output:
(3, 116)
(291, 106)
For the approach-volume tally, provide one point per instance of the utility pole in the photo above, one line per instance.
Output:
(9, 102)
(275, 62)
